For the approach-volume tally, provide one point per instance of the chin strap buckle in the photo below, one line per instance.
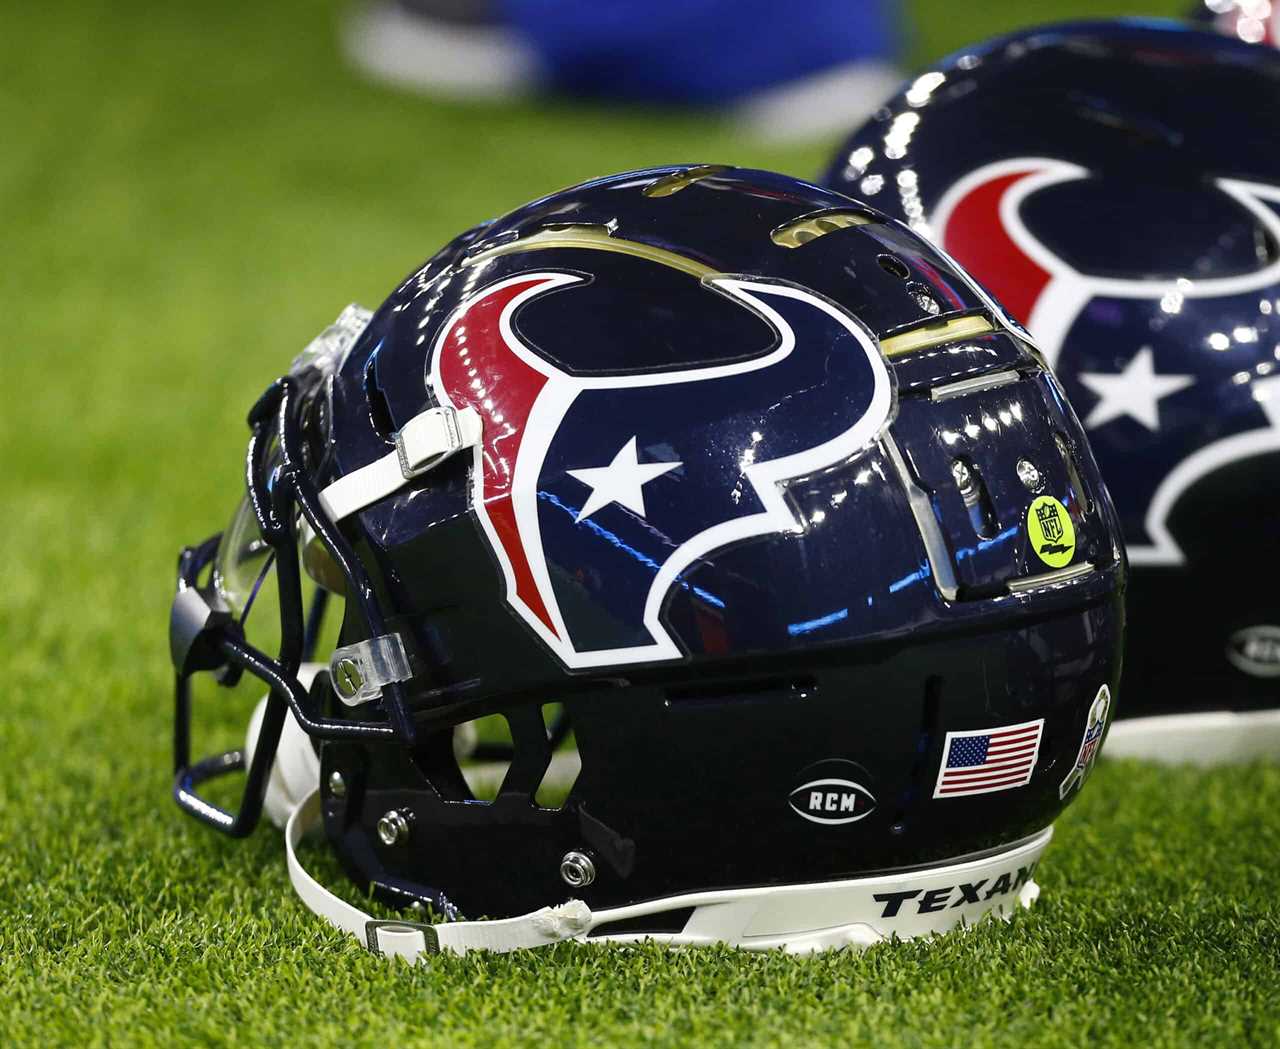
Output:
(424, 442)
(402, 938)
(430, 438)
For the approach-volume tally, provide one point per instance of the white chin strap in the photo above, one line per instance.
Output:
(425, 442)
(408, 940)
(799, 919)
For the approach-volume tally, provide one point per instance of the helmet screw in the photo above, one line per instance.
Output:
(577, 869)
(347, 678)
(923, 299)
(337, 785)
(1029, 475)
(393, 828)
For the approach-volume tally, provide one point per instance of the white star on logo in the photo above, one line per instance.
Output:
(620, 482)
(1136, 391)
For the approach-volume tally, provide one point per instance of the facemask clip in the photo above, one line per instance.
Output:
(359, 671)
(430, 438)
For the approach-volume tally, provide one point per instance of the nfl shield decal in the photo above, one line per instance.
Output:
(1091, 743)
(1052, 534)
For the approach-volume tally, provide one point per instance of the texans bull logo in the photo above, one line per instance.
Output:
(1083, 315)
(595, 493)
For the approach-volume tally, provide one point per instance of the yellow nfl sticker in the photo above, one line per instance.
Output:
(1053, 536)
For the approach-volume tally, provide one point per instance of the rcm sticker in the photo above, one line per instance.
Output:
(833, 793)
(1051, 531)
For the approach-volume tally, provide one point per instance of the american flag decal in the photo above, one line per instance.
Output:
(988, 759)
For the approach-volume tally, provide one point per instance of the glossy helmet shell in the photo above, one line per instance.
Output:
(1117, 185)
(841, 596)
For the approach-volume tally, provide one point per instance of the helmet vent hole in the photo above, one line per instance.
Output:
(806, 230)
(566, 764)
(893, 266)
(678, 180)
(379, 410)
(1073, 472)
(513, 753)
(734, 692)
(1266, 247)
(922, 769)
(977, 500)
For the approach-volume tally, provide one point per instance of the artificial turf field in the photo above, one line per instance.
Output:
(185, 197)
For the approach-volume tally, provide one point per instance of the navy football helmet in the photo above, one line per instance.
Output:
(1135, 229)
(775, 548)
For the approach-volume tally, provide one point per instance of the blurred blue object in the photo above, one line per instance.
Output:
(699, 51)
(791, 68)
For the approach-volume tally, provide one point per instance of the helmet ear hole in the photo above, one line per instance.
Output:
(537, 742)
(319, 564)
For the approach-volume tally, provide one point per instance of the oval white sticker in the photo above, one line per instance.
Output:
(832, 801)
(1256, 650)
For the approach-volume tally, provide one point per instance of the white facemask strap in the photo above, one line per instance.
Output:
(408, 940)
(425, 442)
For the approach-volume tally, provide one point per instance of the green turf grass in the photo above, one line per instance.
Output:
(184, 199)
